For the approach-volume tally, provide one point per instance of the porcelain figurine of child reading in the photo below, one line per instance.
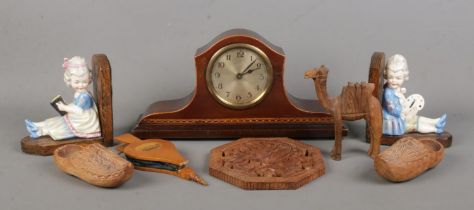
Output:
(400, 114)
(81, 119)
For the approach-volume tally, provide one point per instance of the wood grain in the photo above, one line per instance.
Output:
(266, 163)
(356, 101)
(199, 115)
(408, 158)
(103, 95)
(94, 164)
(157, 150)
(45, 145)
(445, 138)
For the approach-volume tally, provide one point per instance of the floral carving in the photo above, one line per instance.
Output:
(263, 158)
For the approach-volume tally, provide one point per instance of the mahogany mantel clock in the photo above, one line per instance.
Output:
(239, 93)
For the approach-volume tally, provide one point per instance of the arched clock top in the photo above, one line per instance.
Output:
(236, 36)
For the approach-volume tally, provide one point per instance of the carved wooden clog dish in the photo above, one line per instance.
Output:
(408, 158)
(94, 164)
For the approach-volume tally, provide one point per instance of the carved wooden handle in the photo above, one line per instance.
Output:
(127, 138)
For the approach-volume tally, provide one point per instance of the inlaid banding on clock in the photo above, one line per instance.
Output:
(239, 75)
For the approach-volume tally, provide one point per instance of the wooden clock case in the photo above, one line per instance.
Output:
(199, 115)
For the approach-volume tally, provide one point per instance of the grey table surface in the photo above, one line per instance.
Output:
(151, 45)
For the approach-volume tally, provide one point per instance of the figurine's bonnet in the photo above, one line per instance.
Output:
(74, 66)
(396, 63)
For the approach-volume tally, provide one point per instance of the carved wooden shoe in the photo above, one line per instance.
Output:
(94, 164)
(408, 158)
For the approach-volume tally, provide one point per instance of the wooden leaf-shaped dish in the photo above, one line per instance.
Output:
(94, 164)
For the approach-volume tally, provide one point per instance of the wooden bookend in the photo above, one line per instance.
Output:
(102, 80)
(377, 65)
(445, 138)
(103, 96)
(266, 163)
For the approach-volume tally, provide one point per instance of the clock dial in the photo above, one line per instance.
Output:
(239, 75)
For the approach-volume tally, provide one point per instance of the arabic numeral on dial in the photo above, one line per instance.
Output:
(219, 86)
(240, 54)
(259, 65)
(251, 58)
(250, 94)
(227, 57)
(217, 75)
(227, 94)
(238, 97)
(258, 88)
(221, 65)
(261, 77)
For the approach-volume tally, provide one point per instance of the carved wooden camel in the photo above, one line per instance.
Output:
(355, 102)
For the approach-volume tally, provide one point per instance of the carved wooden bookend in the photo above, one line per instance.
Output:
(157, 155)
(101, 73)
(408, 158)
(355, 102)
(94, 164)
(266, 163)
(445, 138)
(377, 66)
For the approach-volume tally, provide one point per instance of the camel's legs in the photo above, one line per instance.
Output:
(336, 150)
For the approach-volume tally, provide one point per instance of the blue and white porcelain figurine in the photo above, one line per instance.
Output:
(400, 114)
(81, 119)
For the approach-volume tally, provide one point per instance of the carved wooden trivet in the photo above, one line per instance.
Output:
(266, 163)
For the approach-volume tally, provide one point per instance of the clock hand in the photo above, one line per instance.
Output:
(251, 70)
(239, 75)
(247, 68)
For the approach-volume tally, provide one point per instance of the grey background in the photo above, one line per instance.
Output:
(151, 45)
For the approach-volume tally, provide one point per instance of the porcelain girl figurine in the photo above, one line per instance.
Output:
(400, 114)
(81, 119)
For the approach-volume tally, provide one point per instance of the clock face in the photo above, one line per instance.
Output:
(239, 75)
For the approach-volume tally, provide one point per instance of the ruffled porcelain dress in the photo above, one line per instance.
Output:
(393, 123)
(83, 125)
